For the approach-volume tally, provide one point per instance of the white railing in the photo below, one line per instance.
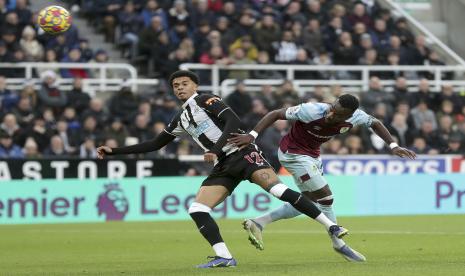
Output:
(125, 74)
(362, 82)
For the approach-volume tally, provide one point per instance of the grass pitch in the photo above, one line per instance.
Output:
(420, 245)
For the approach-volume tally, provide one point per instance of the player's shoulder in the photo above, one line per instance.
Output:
(206, 99)
(315, 109)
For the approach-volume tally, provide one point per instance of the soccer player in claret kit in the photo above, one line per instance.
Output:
(299, 152)
(210, 123)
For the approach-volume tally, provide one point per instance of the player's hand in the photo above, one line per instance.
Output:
(101, 151)
(403, 152)
(241, 140)
(210, 157)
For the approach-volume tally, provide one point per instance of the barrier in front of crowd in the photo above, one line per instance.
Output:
(361, 74)
(168, 198)
(110, 76)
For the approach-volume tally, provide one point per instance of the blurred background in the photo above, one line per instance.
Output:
(104, 82)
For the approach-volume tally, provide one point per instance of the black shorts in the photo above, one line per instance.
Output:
(238, 166)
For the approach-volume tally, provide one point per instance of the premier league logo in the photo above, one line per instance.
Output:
(112, 203)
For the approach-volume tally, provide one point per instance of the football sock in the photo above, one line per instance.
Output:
(301, 203)
(221, 250)
(208, 228)
(328, 211)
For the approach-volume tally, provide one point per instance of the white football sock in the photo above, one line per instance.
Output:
(221, 250)
(328, 211)
(323, 219)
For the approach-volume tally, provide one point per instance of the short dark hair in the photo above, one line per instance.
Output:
(349, 101)
(184, 73)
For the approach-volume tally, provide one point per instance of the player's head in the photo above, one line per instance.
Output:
(184, 84)
(342, 109)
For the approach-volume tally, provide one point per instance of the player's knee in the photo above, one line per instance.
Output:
(199, 207)
(278, 190)
(327, 200)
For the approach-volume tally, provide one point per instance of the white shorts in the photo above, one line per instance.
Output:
(306, 170)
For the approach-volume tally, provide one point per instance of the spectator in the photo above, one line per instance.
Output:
(400, 129)
(86, 52)
(202, 12)
(266, 31)
(31, 149)
(178, 13)
(117, 131)
(109, 12)
(258, 111)
(376, 94)
(301, 59)
(312, 37)
(71, 118)
(74, 56)
(152, 9)
(77, 98)
(140, 128)
(447, 93)
(88, 149)
(24, 112)
(7, 148)
(149, 37)
(178, 33)
(49, 95)
(332, 32)
(445, 131)
(214, 56)
(245, 43)
(420, 52)
(334, 146)
(401, 30)
(33, 50)
(130, 22)
(400, 92)
(96, 110)
(344, 51)
(101, 56)
(239, 57)
(359, 15)
(423, 94)
(314, 11)
(286, 49)
(90, 129)
(8, 99)
(420, 146)
(421, 113)
(57, 149)
(240, 101)
(454, 145)
(287, 94)
(354, 144)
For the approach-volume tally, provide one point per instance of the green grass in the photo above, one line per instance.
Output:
(420, 245)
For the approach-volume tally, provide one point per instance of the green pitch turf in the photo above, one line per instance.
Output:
(420, 245)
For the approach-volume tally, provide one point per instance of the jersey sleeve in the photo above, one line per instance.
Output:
(213, 104)
(174, 127)
(361, 118)
(306, 112)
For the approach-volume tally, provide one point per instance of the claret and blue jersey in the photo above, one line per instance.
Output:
(310, 129)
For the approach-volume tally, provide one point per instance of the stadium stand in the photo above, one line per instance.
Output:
(158, 36)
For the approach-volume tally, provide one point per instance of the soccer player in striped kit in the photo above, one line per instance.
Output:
(210, 123)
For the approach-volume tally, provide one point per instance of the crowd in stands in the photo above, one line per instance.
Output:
(48, 122)
(321, 32)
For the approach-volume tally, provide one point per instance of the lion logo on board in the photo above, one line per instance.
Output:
(344, 129)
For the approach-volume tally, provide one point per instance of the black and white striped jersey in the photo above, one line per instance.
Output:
(199, 117)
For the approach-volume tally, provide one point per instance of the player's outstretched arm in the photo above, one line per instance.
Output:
(242, 140)
(380, 130)
(157, 143)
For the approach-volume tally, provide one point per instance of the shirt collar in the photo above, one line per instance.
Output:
(191, 98)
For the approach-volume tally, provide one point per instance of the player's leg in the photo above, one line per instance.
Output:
(307, 176)
(206, 199)
(269, 181)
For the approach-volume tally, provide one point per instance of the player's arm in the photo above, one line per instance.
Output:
(241, 140)
(165, 137)
(157, 143)
(380, 130)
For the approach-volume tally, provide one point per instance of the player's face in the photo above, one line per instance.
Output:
(184, 88)
(338, 114)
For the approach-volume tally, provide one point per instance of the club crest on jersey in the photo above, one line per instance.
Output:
(212, 100)
(344, 129)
